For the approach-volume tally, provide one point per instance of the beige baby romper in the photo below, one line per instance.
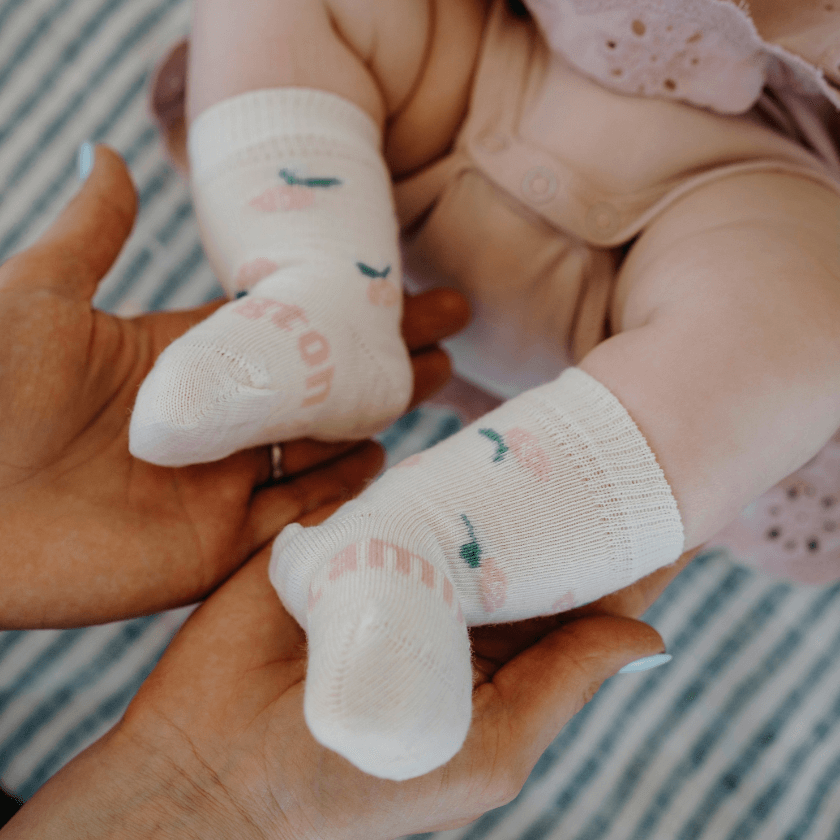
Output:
(570, 148)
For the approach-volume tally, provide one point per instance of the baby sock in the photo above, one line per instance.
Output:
(546, 503)
(294, 204)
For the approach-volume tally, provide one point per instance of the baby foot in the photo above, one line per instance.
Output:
(273, 365)
(389, 678)
(294, 203)
(546, 503)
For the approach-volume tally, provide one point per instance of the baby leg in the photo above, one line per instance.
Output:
(167, 102)
(727, 352)
(546, 503)
(793, 530)
(294, 202)
(728, 306)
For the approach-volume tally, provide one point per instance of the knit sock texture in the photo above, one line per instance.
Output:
(295, 209)
(546, 503)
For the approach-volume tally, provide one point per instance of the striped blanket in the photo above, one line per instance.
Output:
(738, 738)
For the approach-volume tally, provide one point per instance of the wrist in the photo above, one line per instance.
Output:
(121, 788)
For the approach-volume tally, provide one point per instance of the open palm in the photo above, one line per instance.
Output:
(224, 711)
(89, 533)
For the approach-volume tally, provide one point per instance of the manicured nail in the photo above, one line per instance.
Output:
(646, 663)
(85, 160)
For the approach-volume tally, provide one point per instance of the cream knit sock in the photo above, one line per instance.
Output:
(294, 203)
(546, 503)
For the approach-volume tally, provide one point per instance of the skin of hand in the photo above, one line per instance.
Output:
(215, 744)
(89, 533)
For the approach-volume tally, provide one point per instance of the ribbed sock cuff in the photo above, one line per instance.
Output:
(299, 117)
(617, 465)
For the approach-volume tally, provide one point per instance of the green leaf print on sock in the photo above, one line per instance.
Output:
(372, 272)
(471, 551)
(292, 180)
(498, 440)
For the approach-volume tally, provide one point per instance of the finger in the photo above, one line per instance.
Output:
(164, 327)
(275, 507)
(243, 625)
(634, 600)
(239, 629)
(310, 520)
(494, 645)
(428, 318)
(297, 456)
(82, 244)
(433, 316)
(301, 455)
(540, 690)
(432, 370)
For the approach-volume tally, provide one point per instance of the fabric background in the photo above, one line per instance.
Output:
(737, 739)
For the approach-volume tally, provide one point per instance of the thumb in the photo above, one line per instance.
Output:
(83, 243)
(550, 682)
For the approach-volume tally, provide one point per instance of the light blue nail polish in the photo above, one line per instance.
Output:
(646, 663)
(85, 160)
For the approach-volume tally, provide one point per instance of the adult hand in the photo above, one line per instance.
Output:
(215, 744)
(90, 534)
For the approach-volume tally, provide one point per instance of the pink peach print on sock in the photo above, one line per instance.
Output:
(493, 585)
(382, 293)
(563, 603)
(252, 272)
(527, 450)
(283, 197)
(410, 461)
(379, 554)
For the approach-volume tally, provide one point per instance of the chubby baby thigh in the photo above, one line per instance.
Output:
(744, 246)
(725, 346)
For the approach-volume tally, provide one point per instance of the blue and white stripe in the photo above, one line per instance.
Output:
(738, 738)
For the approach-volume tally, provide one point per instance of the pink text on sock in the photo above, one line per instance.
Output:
(380, 555)
(313, 347)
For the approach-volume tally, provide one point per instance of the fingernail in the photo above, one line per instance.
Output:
(646, 663)
(86, 156)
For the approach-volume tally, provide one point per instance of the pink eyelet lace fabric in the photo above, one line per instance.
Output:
(712, 53)
(722, 54)
(793, 530)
